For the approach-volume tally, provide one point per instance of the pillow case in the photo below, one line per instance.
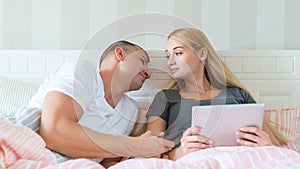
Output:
(287, 121)
(27, 116)
(14, 94)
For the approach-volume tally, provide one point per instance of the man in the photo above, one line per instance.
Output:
(85, 112)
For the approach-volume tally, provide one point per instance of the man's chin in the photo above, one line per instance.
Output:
(133, 88)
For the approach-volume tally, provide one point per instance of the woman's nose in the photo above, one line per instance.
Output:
(171, 60)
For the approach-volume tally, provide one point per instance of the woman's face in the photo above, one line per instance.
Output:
(182, 61)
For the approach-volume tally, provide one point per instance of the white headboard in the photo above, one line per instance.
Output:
(275, 75)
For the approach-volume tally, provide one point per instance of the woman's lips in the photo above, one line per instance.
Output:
(173, 70)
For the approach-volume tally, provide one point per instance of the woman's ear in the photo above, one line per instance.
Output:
(119, 54)
(203, 53)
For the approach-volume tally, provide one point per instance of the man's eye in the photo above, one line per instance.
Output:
(143, 62)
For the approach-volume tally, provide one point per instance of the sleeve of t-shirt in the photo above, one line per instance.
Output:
(75, 80)
(159, 106)
(247, 97)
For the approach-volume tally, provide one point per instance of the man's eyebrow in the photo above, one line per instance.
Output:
(145, 59)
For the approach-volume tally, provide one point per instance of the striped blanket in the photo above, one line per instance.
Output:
(20, 147)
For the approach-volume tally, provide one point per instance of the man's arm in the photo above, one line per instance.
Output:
(62, 133)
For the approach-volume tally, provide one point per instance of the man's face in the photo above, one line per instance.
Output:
(135, 68)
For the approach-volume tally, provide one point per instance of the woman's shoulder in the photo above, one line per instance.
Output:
(239, 93)
(235, 90)
(169, 94)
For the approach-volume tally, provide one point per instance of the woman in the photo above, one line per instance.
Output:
(200, 78)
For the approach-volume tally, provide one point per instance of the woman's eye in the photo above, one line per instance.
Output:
(167, 56)
(178, 53)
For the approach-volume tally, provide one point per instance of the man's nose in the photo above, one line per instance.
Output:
(146, 73)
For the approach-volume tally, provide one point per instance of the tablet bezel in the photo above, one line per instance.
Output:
(220, 122)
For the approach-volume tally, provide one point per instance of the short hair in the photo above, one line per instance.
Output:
(127, 46)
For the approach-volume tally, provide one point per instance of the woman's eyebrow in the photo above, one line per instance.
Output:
(176, 47)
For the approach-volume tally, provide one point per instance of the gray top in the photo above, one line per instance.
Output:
(177, 111)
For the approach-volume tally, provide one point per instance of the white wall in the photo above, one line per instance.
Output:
(68, 24)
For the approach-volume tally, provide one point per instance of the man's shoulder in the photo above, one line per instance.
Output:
(79, 64)
(79, 69)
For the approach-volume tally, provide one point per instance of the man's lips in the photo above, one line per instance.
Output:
(142, 78)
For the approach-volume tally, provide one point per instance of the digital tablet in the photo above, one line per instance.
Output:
(220, 122)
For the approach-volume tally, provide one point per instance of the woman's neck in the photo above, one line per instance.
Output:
(200, 85)
(199, 89)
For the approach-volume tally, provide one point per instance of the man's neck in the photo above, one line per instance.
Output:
(112, 93)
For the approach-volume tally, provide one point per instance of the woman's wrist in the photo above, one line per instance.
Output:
(175, 153)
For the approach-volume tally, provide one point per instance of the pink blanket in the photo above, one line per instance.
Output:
(221, 158)
(20, 147)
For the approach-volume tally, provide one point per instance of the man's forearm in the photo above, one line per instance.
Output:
(74, 140)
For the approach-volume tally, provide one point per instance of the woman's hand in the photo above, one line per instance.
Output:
(192, 141)
(253, 136)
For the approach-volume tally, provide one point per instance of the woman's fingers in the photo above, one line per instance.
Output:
(191, 147)
(193, 141)
(195, 130)
(191, 131)
(253, 130)
(197, 139)
(248, 143)
(196, 145)
(253, 136)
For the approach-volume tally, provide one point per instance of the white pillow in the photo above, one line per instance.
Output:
(15, 94)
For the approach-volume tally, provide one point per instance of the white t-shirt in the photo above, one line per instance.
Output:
(81, 81)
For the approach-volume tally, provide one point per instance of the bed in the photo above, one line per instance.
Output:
(272, 76)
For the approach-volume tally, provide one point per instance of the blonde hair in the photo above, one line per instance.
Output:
(217, 73)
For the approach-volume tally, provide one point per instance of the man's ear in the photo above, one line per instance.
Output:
(119, 54)
(203, 53)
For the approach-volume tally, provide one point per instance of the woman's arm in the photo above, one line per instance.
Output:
(156, 124)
